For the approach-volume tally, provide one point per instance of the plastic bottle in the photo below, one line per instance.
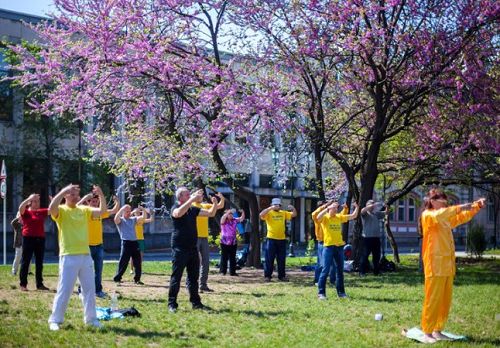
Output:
(114, 301)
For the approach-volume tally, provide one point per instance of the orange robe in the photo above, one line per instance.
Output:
(438, 254)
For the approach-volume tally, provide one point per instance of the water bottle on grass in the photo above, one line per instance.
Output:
(114, 301)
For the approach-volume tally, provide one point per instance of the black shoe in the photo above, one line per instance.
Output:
(234, 274)
(42, 288)
(284, 279)
(267, 279)
(138, 282)
(172, 309)
(201, 306)
(205, 289)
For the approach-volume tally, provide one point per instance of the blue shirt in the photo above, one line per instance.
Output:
(126, 228)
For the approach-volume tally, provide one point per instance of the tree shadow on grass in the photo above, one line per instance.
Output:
(385, 299)
(256, 313)
(154, 334)
(494, 342)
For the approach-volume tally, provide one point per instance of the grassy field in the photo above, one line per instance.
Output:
(246, 312)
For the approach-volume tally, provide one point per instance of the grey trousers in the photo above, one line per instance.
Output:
(202, 246)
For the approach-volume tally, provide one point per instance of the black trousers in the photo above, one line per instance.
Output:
(371, 245)
(130, 249)
(228, 253)
(32, 245)
(190, 260)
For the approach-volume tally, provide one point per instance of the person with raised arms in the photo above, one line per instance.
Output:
(184, 251)
(74, 254)
(438, 254)
(96, 238)
(126, 223)
(275, 219)
(202, 244)
(333, 246)
(33, 232)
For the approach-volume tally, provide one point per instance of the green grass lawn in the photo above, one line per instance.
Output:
(492, 252)
(246, 312)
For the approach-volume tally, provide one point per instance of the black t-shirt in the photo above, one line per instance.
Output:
(185, 235)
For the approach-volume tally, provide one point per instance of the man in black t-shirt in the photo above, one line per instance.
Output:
(184, 251)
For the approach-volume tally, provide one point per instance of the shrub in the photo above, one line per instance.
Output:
(476, 241)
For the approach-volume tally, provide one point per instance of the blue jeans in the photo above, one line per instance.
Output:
(317, 270)
(332, 255)
(333, 272)
(97, 254)
(275, 249)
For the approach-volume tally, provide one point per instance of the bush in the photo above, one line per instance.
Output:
(476, 241)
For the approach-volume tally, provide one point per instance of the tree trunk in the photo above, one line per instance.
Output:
(253, 259)
(389, 235)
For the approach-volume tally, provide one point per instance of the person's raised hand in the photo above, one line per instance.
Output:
(481, 202)
(214, 200)
(33, 196)
(70, 188)
(97, 190)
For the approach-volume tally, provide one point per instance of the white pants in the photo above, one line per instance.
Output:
(71, 267)
(17, 261)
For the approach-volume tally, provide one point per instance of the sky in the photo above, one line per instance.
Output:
(34, 7)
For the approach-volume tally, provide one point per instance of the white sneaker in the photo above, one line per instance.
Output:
(321, 297)
(54, 327)
(96, 324)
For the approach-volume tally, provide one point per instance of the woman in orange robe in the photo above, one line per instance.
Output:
(438, 253)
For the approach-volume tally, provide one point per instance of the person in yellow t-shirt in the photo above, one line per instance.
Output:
(96, 238)
(333, 246)
(74, 253)
(202, 243)
(318, 231)
(275, 219)
(438, 253)
(143, 213)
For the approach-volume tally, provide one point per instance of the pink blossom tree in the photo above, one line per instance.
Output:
(164, 101)
(370, 71)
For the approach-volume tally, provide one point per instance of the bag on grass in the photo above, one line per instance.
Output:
(128, 312)
(386, 265)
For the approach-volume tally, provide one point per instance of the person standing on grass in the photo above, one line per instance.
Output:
(126, 223)
(333, 268)
(96, 238)
(333, 246)
(17, 227)
(318, 232)
(143, 213)
(228, 241)
(371, 215)
(202, 243)
(74, 253)
(275, 219)
(438, 253)
(184, 250)
(33, 231)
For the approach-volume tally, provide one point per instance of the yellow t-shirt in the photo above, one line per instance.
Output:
(318, 230)
(139, 230)
(332, 229)
(95, 229)
(275, 222)
(202, 221)
(438, 247)
(72, 225)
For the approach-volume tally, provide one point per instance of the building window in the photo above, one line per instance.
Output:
(401, 210)
(411, 210)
